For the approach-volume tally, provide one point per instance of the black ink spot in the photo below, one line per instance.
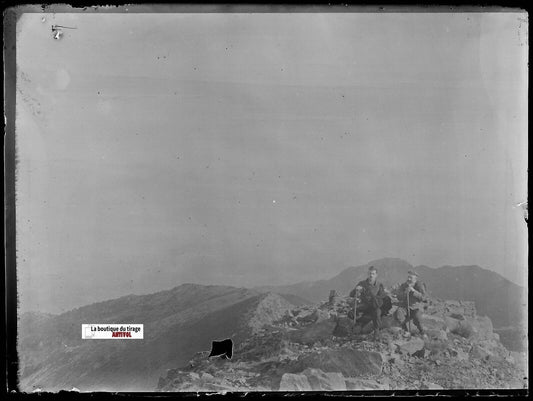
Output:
(224, 349)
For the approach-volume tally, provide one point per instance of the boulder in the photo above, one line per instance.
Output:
(479, 352)
(294, 382)
(321, 381)
(482, 327)
(312, 333)
(457, 316)
(347, 361)
(344, 327)
(353, 383)
(489, 349)
(463, 308)
(437, 334)
(319, 315)
(305, 316)
(409, 346)
(432, 322)
(436, 346)
(462, 328)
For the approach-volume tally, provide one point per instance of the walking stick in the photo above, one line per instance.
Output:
(355, 308)
(408, 311)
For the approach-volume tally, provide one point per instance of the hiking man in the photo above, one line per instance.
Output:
(410, 295)
(371, 294)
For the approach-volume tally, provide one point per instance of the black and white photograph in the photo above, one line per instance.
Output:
(223, 199)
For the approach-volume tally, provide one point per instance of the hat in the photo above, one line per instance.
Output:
(372, 268)
(412, 273)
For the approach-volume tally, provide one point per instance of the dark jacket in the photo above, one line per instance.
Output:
(415, 297)
(370, 294)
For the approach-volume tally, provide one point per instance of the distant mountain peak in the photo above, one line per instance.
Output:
(494, 295)
(389, 261)
(203, 286)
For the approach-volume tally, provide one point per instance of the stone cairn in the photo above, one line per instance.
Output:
(333, 298)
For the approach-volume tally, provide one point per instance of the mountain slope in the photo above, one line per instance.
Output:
(496, 297)
(500, 299)
(177, 323)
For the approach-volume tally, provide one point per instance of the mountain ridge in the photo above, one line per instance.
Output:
(177, 323)
(499, 298)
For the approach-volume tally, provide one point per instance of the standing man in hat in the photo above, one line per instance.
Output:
(410, 296)
(371, 294)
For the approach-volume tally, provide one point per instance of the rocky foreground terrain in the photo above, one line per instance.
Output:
(316, 347)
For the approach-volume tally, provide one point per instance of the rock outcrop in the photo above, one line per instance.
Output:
(318, 348)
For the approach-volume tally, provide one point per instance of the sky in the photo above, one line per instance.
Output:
(262, 149)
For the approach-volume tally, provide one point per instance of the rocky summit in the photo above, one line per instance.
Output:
(318, 348)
